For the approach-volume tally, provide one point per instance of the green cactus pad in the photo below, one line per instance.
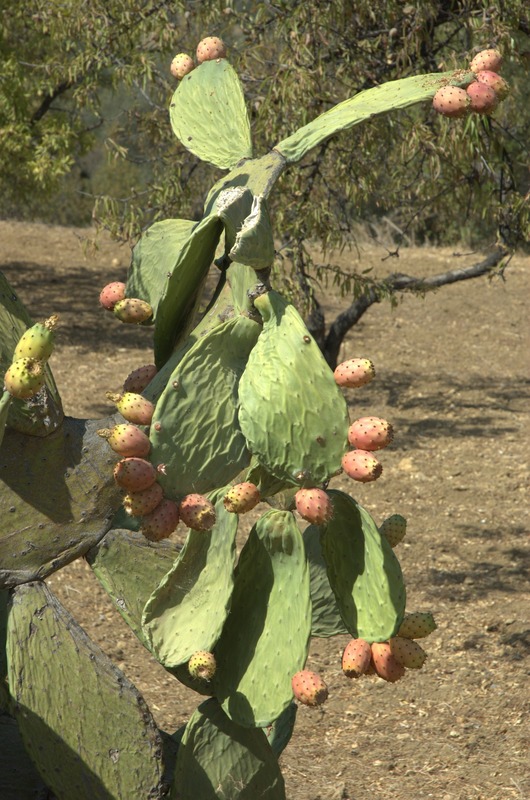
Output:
(4, 597)
(194, 430)
(364, 105)
(266, 636)
(292, 413)
(326, 618)
(208, 115)
(19, 780)
(218, 758)
(363, 571)
(254, 243)
(187, 610)
(5, 402)
(258, 175)
(279, 733)
(85, 726)
(57, 498)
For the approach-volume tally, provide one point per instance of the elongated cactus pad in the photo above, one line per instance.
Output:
(84, 724)
(219, 758)
(18, 777)
(266, 636)
(363, 571)
(325, 615)
(208, 115)
(292, 413)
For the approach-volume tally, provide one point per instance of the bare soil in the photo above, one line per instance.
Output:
(453, 378)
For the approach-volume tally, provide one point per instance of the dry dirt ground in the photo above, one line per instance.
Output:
(453, 377)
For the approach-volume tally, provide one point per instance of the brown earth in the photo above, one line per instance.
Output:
(453, 378)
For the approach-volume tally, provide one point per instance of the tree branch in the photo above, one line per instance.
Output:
(61, 88)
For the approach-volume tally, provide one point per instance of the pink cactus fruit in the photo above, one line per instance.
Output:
(417, 625)
(24, 378)
(354, 373)
(356, 658)
(111, 294)
(370, 433)
(309, 688)
(133, 407)
(385, 664)
(137, 380)
(407, 652)
(314, 505)
(486, 60)
(361, 465)
(202, 665)
(394, 529)
(127, 440)
(181, 66)
(451, 101)
(495, 82)
(132, 310)
(197, 512)
(134, 474)
(138, 504)
(242, 497)
(161, 522)
(210, 48)
(483, 99)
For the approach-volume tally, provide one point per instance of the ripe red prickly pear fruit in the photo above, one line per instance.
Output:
(210, 48)
(138, 504)
(354, 373)
(241, 497)
(24, 378)
(127, 440)
(134, 474)
(197, 512)
(356, 658)
(133, 407)
(407, 652)
(417, 625)
(37, 341)
(309, 688)
(181, 65)
(394, 529)
(139, 378)
(202, 665)
(132, 310)
(451, 101)
(314, 505)
(495, 82)
(483, 99)
(361, 465)
(161, 522)
(370, 433)
(486, 59)
(385, 664)
(111, 294)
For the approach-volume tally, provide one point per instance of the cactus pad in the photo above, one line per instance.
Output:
(326, 618)
(19, 780)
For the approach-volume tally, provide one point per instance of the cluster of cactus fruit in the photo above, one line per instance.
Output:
(239, 408)
(481, 96)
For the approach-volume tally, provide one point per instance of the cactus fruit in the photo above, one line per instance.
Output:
(241, 497)
(309, 688)
(495, 82)
(486, 60)
(361, 465)
(394, 529)
(314, 505)
(132, 310)
(356, 658)
(133, 407)
(451, 101)
(370, 433)
(161, 522)
(407, 652)
(210, 48)
(417, 625)
(37, 341)
(111, 294)
(181, 65)
(483, 99)
(385, 664)
(127, 440)
(354, 373)
(24, 378)
(202, 665)
(138, 504)
(134, 474)
(197, 512)
(137, 380)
